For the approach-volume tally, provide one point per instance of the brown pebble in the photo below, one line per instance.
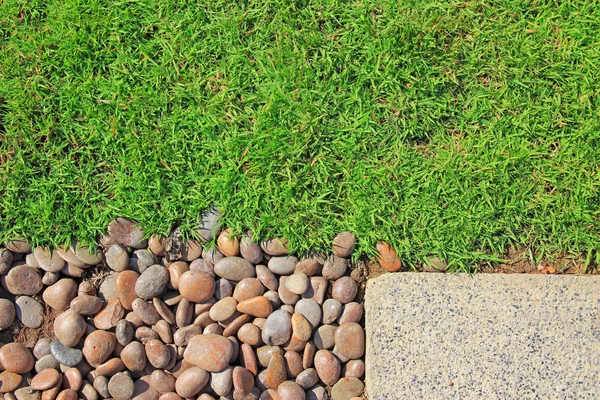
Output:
(243, 381)
(134, 356)
(146, 311)
(86, 305)
(228, 244)
(248, 358)
(191, 382)
(69, 328)
(7, 313)
(301, 327)
(352, 313)
(162, 382)
(344, 289)
(233, 327)
(110, 367)
(164, 310)
(17, 358)
(59, 295)
(350, 340)
(209, 352)
(175, 396)
(46, 379)
(309, 354)
(196, 286)
(157, 353)
(125, 288)
(108, 317)
(293, 363)
(388, 258)
(250, 334)
(50, 394)
(276, 373)
(156, 244)
(67, 394)
(98, 346)
(291, 391)
(9, 381)
(308, 266)
(72, 379)
(327, 366)
(258, 306)
(355, 369)
(24, 280)
(176, 270)
(121, 387)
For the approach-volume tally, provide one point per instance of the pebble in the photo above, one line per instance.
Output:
(222, 382)
(46, 362)
(248, 358)
(48, 260)
(209, 352)
(343, 244)
(327, 366)
(121, 387)
(146, 311)
(59, 295)
(308, 266)
(285, 295)
(210, 224)
(355, 369)
(18, 246)
(278, 328)
(212, 255)
(157, 353)
(110, 367)
(46, 379)
(266, 277)
(117, 258)
(297, 283)
(152, 282)
(276, 373)
(250, 334)
(259, 307)
(72, 379)
(17, 358)
(275, 247)
(7, 313)
(350, 340)
(196, 286)
(67, 394)
(291, 391)
(27, 393)
(145, 259)
(335, 267)
(83, 253)
(249, 250)
(42, 348)
(108, 287)
(86, 305)
(325, 337)
(162, 382)
(317, 289)
(352, 312)
(265, 353)
(223, 289)
(293, 363)
(228, 244)
(387, 257)
(243, 381)
(234, 269)
(332, 309)
(134, 356)
(126, 232)
(310, 310)
(282, 265)
(125, 288)
(124, 332)
(69, 328)
(307, 378)
(317, 393)
(190, 250)
(191, 382)
(98, 346)
(344, 289)
(347, 388)
(156, 244)
(50, 278)
(101, 385)
(301, 327)
(163, 310)
(223, 309)
(248, 288)
(65, 355)
(9, 381)
(24, 280)
(6, 259)
(108, 317)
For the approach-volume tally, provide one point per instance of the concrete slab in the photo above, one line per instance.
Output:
(487, 336)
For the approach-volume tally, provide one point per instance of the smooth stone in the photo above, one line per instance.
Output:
(311, 311)
(275, 247)
(157, 244)
(108, 317)
(209, 352)
(65, 355)
(9, 381)
(259, 307)
(134, 356)
(27, 393)
(234, 269)
(325, 337)
(317, 393)
(121, 387)
(146, 311)
(278, 328)
(243, 381)
(332, 309)
(86, 305)
(108, 288)
(233, 327)
(210, 224)
(88, 392)
(248, 358)
(355, 369)
(164, 310)
(42, 348)
(347, 388)
(293, 363)
(301, 327)
(69, 328)
(59, 295)
(200, 264)
(145, 259)
(18, 246)
(47, 362)
(291, 390)
(101, 385)
(50, 278)
(276, 373)
(176, 270)
(182, 336)
(307, 378)
(344, 289)
(69, 256)
(350, 340)
(157, 353)
(248, 288)
(387, 257)
(126, 232)
(223, 288)
(327, 366)
(196, 286)
(190, 250)
(67, 394)
(6, 259)
(88, 257)
(352, 312)
(162, 381)
(17, 358)
(343, 244)
(98, 346)
(46, 379)
(124, 332)
(48, 260)
(152, 282)
(273, 298)
(265, 353)
(23, 280)
(266, 277)
(223, 309)
(297, 283)
(282, 265)
(212, 255)
(335, 267)
(250, 334)
(308, 266)
(249, 250)
(125, 288)
(222, 382)
(110, 367)
(7, 313)
(117, 258)
(285, 295)
(228, 244)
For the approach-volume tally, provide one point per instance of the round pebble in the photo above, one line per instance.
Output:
(228, 244)
(278, 328)
(152, 282)
(249, 250)
(46, 379)
(234, 269)
(291, 390)
(69, 328)
(222, 382)
(86, 305)
(24, 280)
(297, 283)
(121, 387)
(117, 258)
(344, 289)
(347, 388)
(327, 366)
(124, 332)
(98, 346)
(42, 348)
(223, 309)
(191, 382)
(275, 247)
(332, 309)
(16, 358)
(134, 356)
(7, 313)
(196, 286)
(9, 381)
(343, 244)
(48, 260)
(350, 340)
(311, 311)
(59, 295)
(209, 352)
(259, 307)
(108, 317)
(282, 265)
(248, 288)
(125, 288)
(266, 277)
(335, 267)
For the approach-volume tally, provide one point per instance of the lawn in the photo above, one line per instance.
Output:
(455, 129)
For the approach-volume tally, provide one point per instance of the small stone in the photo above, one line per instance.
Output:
(209, 352)
(190, 250)
(162, 382)
(355, 369)
(157, 244)
(228, 244)
(307, 378)
(50, 278)
(223, 289)
(164, 310)
(101, 386)
(16, 358)
(146, 311)
(7, 313)
(301, 327)
(117, 258)
(121, 387)
(59, 295)
(65, 355)
(285, 295)
(249, 250)
(273, 298)
(48, 260)
(297, 283)
(18, 246)
(308, 266)
(108, 287)
(265, 353)
(248, 288)
(108, 317)
(344, 289)
(125, 288)
(196, 286)
(126, 232)
(309, 354)
(42, 348)
(191, 382)
(266, 277)
(88, 392)
(27, 393)
(352, 313)
(46, 379)
(134, 356)
(250, 334)
(47, 362)
(69, 328)
(69, 256)
(222, 382)
(347, 388)
(317, 289)
(278, 328)
(9, 381)
(325, 337)
(388, 259)
(83, 253)
(350, 340)
(98, 346)
(234, 269)
(72, 379)
(124, 332)
(276, 373)
(6, 259)
(223, 309)
(210, 224)
(335, 267)
(86, 305)
(332, 309)
(291, 391)
(282, 265)
(311, 311)
(212, 255)
(258, 306)
(145, 259)
(157, 353)
(327, 366)
(344, 244)
(243, 381)
(110, 367)
(293, 363)
(24, 280)
(152, 282)
(67, 394)
(275, 247)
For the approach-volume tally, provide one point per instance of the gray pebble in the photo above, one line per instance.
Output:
(332, 309)
(30, 312)
(234, 269)
(65, 355)
(117, 258)
(152, 282)
(282, 265)
(311, 311)
(278, 328)
(47, 362)
(335, 267)
(124, 332)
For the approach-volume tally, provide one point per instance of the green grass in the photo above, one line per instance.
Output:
(451, 129)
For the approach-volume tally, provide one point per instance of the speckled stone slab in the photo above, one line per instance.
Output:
(486, 336)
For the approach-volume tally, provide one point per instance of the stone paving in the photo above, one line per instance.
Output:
(486, 336)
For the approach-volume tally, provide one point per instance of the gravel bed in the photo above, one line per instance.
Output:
(166, 319)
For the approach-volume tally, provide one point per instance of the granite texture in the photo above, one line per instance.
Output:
(485, 336)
